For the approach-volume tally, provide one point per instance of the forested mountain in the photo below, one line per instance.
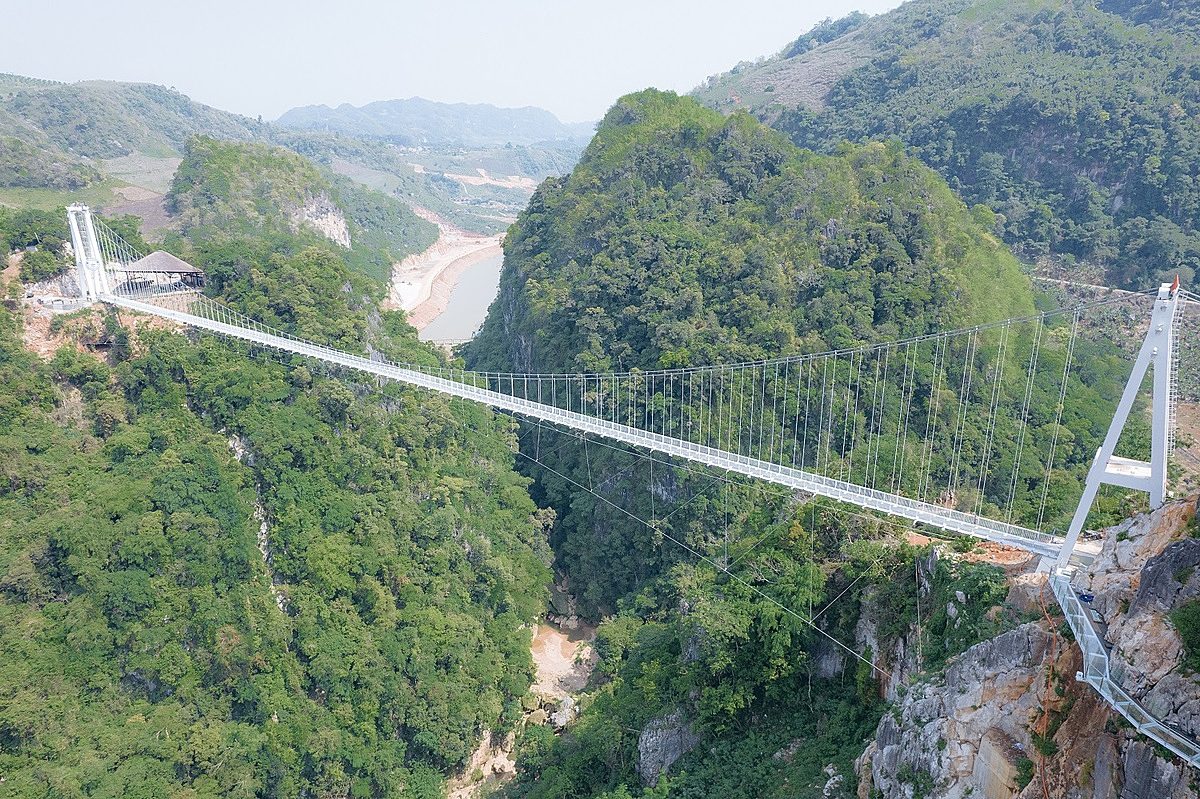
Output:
(1076, 121)
(223, 190)
(687, 238)
(416, 121)
(54, 135)
(226, 575)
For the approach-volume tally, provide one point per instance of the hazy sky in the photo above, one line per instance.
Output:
(263, 56)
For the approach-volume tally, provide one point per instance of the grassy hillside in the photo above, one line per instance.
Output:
(106, 119)
(1076, 122)
(29, 166)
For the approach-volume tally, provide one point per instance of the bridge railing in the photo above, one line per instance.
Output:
(230, 323)
(1097, 668)
(1099, 672)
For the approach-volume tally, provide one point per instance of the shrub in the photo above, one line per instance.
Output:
(1186, 619)
(40, 265)
(1024, 772)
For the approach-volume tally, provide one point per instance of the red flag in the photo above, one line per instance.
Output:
(1175, 286)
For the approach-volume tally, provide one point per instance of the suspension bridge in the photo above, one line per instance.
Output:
(963, 431)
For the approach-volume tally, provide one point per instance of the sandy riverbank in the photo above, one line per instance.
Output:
(564, 657)
(422, 283)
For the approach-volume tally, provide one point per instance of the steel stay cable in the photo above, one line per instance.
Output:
(1031, 374)
(991, 427)
(846, 417)
(807, 405)
(775, 529)
(897, 343)
(775, 409)
(871, 424)
(744, 583)
(880, 417)
(833, 383)
(110, 237)
(839, 507)
(1062, 396)
(852, 583)
(910, 368)
(854, 433)
(912, 389)
(963, 406)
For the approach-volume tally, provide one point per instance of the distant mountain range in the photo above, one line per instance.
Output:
(417, 121)
(116, 146)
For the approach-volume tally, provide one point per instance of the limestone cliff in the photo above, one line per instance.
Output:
(321, 214)
(1007, 719)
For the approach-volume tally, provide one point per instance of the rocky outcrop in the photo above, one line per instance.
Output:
(970, 731)
(965, 729)
(241, 451)
(322, 215)
(1142, 572)
(1148, 775)
(663, 741)
(63, 285)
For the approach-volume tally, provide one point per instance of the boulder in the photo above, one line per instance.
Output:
(663, 741)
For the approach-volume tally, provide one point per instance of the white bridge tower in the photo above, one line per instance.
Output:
(90, 271)
(1158, 352)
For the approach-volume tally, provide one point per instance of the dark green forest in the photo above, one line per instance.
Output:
(152, 648)
(1076, 122)
(227, 190)
(686, 238)
(227, 572)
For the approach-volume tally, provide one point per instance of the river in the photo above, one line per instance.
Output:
(468, 304)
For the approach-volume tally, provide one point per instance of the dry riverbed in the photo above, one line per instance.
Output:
(564, 658)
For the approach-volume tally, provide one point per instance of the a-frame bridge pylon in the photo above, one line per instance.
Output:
(1157, 353)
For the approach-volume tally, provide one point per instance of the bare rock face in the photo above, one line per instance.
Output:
(63, 285)
(565, 713)
(320, 214)
(829, 661)
(967, 728)
(1169, 578)
(663, 741)
(1147, 775)
(1115, 575)
(969, 731)
(1141, 574)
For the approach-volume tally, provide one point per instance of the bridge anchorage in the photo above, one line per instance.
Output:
(938, 429)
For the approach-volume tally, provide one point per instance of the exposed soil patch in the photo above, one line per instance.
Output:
(491, 765)
(564, 658)
(1187, 446)
(145, 204)
(518, 182)
(146, 171)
